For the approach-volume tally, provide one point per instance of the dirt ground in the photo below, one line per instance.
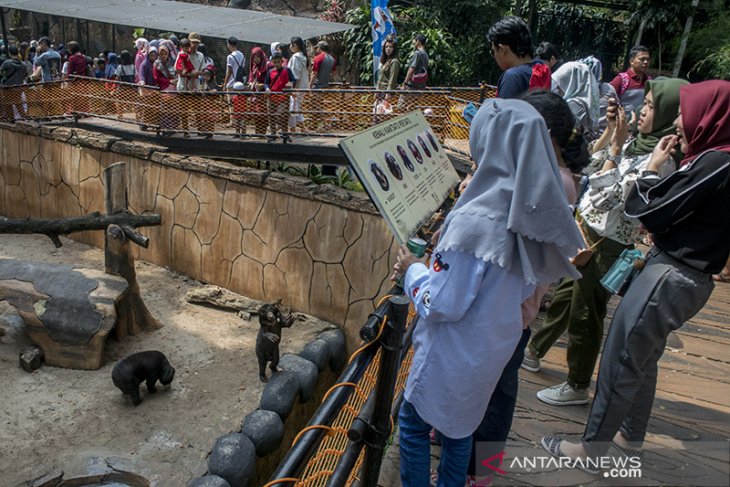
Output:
(71, 418)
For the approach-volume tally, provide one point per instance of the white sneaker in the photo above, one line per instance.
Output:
(563, 395)
(530, 362)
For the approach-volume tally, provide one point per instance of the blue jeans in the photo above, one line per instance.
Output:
(415, 453)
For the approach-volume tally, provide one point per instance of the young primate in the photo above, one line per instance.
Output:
(149, 367)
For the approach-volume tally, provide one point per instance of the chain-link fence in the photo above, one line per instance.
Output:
(324, 112)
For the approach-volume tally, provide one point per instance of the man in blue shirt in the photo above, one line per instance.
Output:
(46, 62)
(512, 50)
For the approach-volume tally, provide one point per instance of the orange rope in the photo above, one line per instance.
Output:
(340, 384)
(329, 430)
(278, 481)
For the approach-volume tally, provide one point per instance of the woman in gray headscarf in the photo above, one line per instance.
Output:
(511, 229)
(577, 85)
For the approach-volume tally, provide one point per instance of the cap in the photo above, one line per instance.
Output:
(238, 85)
(232, 40)
(194, 37)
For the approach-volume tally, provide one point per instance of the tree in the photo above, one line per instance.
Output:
(456, 38)
(661, 16)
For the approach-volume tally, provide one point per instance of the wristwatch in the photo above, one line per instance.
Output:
(645, 174)
(615, 159)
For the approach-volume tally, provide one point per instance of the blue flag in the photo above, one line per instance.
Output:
(382, 27)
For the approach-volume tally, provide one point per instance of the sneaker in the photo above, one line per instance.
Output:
(551, 444)
(530, 362)
(563, 395)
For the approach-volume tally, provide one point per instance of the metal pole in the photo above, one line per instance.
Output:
(6, 40)
(392, 341)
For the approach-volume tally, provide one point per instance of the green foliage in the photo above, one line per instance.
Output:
(138, 32)
(708, 51)
(579, 31)
(717, 64)
(456, 39)
(314, 172)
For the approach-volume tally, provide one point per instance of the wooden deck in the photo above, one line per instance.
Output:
(688, 439)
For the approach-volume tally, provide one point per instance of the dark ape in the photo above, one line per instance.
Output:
(149, 367)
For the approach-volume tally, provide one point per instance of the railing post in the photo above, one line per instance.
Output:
(392, 341)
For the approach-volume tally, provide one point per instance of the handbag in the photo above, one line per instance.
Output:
(420, 78)
(623, 271)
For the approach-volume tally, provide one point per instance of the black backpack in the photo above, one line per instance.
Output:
(240, 72)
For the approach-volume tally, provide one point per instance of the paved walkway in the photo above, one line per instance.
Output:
(689, 434)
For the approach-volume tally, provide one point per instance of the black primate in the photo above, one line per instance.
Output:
(149, 367)
(269, 337)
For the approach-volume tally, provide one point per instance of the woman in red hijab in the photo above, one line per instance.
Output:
(688, 214)
(258, 66)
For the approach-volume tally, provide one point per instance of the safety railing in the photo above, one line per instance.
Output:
(313, 113)
(346, 438)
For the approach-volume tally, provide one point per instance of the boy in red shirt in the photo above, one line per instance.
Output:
(277, 78)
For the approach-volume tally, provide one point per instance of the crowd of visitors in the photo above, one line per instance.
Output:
(563, 181)
(173, 66)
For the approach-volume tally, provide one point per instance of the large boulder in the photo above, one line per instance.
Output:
(305, 372)
(265, 429)
(234, 459)
(318, 352)
(338, 349)
(209, 481)
(280, 393)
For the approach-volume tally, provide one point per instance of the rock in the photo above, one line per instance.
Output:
(50, 479)
(305, 371)
(338, 349)
(265, 429)
(209, 481)
(233, 458)
(31, 358)
(280, 393)
(239, 3)
(317, 352)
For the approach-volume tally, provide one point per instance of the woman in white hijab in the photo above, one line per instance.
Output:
(511, 229)
(577, 85)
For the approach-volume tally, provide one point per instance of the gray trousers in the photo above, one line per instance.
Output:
(659, 300)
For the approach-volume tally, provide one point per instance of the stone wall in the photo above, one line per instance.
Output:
(323, 250)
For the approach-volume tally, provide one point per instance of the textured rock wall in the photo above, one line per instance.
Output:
(323, 250)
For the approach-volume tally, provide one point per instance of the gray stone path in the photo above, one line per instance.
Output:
(688, 442)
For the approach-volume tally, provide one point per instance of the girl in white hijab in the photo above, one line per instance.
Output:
(511, 229)
(577, 85)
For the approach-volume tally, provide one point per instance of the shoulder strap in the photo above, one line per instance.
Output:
(624, 83)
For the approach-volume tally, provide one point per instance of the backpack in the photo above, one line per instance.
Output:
(240, 72)
(625, 82)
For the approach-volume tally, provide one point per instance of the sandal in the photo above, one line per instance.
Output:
(551, 444)
(433, 437)
(721, 277)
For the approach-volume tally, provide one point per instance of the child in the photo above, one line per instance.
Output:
(184, 67)
(277, 78)
(239, 108)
